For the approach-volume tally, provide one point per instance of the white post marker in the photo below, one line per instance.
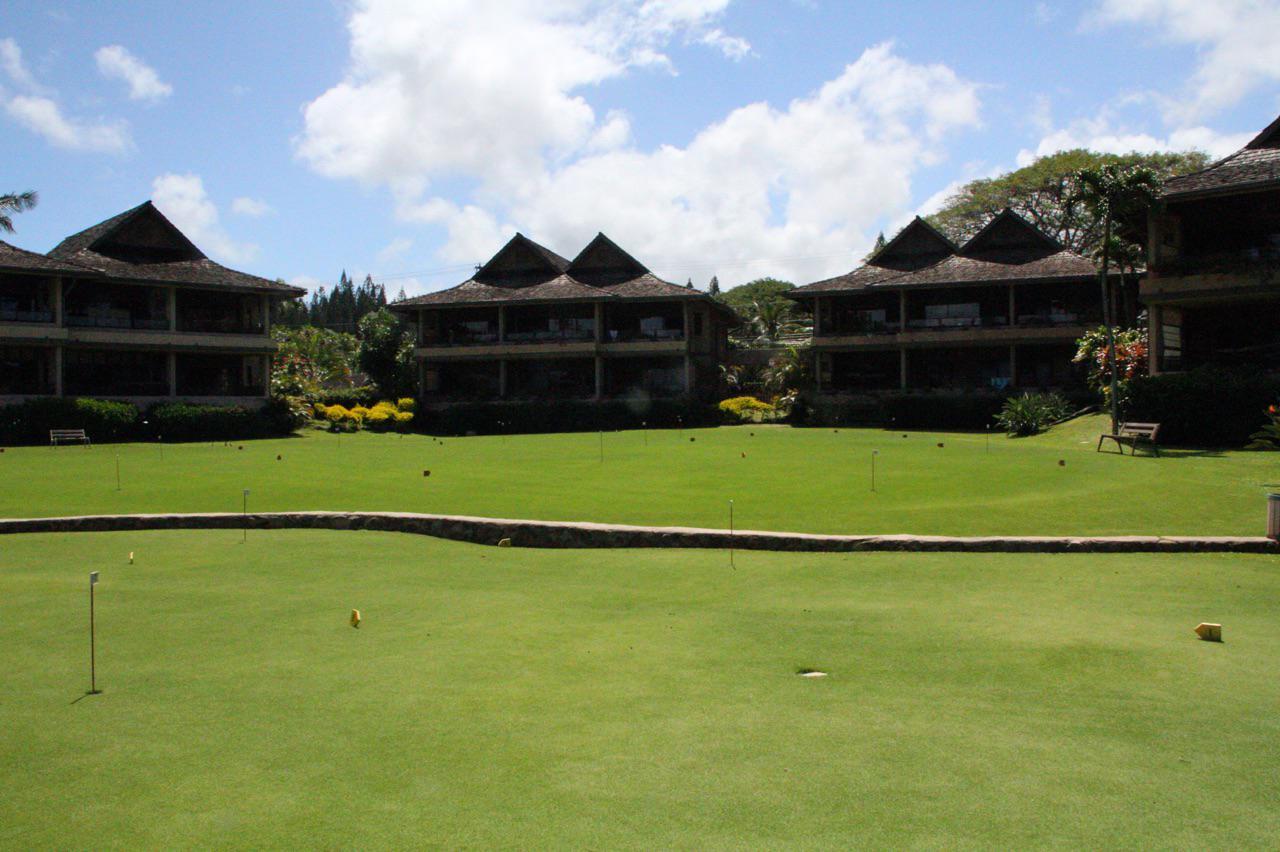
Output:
(93, 650)
(731, 535)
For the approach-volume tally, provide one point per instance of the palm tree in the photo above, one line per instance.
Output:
(769, 317)
(14, 203)
(1114, 192)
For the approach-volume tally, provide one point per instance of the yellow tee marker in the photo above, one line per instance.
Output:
(1209, 632)
(355, 618)
(130, 557)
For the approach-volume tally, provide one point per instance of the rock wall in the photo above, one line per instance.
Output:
(552, 534)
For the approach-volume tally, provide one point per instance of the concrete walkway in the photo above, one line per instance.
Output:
(556, 534)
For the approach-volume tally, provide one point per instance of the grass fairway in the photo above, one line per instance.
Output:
(499, 697)
(808, 480)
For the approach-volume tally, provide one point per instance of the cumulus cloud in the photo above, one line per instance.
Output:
(1110, 132)
(144, 83)
(497, 103)
(394, 249)
(253, 208)
(15, 68)
(35, 108)
(182, 198)
(44, 116)
(1235, 42)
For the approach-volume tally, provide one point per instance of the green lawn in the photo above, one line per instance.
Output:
(812, 480)
(645, 699)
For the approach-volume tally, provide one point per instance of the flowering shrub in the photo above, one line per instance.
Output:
(408, 404)
(1131, 359)
(747, 409)
(1268, 437)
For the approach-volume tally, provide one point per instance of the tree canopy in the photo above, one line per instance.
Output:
(744, 298)
(1048, 194)
(340, 309)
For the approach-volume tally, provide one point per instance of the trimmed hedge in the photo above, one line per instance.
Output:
(491, 418)
(349, 397)
(1208, 407)
(106, 421)
(912, 411)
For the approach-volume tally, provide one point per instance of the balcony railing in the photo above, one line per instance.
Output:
(629, 335)
(548, 336)
(117, 321)
(8, 315)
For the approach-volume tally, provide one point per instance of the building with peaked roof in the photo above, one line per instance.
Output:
(132, 309)
(1002, 311)
(1213, 263)
(530, 324)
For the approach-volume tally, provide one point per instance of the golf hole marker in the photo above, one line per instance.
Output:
(1209, 631)
(130, 557)
(355, 618)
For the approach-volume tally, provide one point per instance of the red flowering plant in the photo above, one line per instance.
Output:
(1268, 437)
(1131, 359)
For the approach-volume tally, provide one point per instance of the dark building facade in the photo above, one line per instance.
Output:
(131, 309)
(1213, 253)
(532, 325)
(923, 314)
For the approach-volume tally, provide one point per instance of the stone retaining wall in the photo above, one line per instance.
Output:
(552, 534)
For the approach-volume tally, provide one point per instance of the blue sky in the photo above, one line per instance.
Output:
(409, 139)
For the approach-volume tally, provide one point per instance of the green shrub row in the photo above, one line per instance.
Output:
(491, 418)
(105, 421)
(913, 411)
(1209, 406)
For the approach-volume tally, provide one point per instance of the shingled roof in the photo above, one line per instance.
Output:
(523, 272)
(1007, 249)
(14, 259)
(1255, 166)
(140, 244)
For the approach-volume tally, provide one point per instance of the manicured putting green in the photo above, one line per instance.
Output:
(808, 480)
(643, 699)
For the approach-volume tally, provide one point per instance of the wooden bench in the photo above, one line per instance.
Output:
(1133, 434)
(63, 436)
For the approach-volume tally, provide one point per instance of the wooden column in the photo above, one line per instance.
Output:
(56, 301)
(57, 371)
(599, 377)
(599, 320)
(171, 307)
(502, 323)
(902, 319)
(902, 368)
(817, 316)
(1013, 361)
(817, 358)
(502, 379)
(1013, 307)
(266, 314)
(1155, 338)
(688, 374)
(172, 367)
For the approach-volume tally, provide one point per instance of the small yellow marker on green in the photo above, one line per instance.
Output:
(130, 557)
(355, 618)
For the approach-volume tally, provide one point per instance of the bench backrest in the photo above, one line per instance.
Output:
(56, 434)
(1140, 430)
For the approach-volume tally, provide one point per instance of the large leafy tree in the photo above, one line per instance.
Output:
(744, 298)
(1111, 193)
(1048, 193)
(386, 353)
(14, 202)
(310, 360)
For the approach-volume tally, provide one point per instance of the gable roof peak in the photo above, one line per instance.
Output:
(602, 258)
(1010, 232)
(917, 244)
(1268, 138)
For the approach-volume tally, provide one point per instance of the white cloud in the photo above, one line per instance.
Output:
(253, 208)
(183, 200)
(15, 69)
(1109, 133)
(35, 108)
(145, 84)
(731, 46)
(498, 103)
(43, 116)
(1235, 41)
(394, 249)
